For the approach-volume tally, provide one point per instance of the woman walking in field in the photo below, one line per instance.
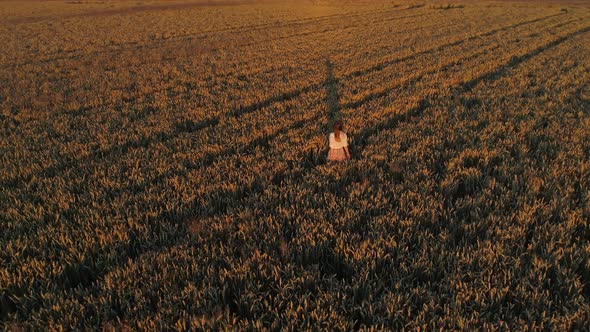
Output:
(338, 144)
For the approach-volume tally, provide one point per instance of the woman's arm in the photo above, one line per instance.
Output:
(346, 152)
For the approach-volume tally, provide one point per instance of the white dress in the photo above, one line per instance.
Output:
(336, 152)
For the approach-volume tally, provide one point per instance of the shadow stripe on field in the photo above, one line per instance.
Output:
(285, 96)
(165, 234)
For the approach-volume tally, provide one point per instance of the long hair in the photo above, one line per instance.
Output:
(337, 130)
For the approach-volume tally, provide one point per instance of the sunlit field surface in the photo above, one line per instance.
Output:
(163, 165)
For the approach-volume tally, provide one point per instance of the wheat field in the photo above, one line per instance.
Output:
(163, 165)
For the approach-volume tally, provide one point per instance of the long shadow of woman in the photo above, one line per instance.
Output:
(338, 141)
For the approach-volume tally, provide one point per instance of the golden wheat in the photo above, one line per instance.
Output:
(163, 165)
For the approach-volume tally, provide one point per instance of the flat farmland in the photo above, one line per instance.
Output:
(163, 165)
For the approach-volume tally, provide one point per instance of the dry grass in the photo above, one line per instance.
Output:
(163, 165)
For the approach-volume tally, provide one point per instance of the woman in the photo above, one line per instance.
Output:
(338, 144)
